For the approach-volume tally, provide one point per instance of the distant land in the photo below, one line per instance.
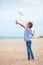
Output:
(41, 36)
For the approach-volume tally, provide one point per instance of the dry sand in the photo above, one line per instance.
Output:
(13, 52)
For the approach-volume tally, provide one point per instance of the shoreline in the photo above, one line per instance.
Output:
(19, 38)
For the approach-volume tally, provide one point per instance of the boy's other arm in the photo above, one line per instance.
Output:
(33, 33)
(20, 24)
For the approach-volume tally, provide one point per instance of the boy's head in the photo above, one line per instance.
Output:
(29, 25)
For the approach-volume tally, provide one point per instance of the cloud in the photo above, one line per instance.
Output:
(11, 4)
(34, 3)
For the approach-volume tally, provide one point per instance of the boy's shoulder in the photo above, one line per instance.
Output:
(28, 29)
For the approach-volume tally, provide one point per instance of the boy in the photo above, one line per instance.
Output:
(27, 38)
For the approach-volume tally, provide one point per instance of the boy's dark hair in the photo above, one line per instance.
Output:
(30, 24)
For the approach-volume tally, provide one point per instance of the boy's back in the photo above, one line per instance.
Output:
(27, 34)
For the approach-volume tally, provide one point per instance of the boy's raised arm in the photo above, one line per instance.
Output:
(20, 24)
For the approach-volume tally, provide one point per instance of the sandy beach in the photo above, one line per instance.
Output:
(13, 52)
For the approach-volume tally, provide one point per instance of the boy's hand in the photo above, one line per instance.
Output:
(33, 33)
(17, 22)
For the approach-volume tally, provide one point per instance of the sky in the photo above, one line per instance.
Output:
(23, 11)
